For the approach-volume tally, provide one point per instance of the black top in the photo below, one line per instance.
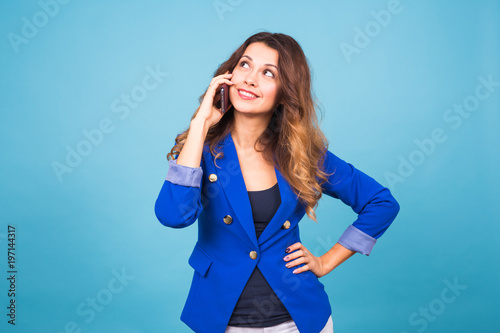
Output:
(258, 305)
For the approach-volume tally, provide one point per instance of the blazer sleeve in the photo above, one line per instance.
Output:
(374, 203)
(179, 203)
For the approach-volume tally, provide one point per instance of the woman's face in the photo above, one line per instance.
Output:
(256, 80)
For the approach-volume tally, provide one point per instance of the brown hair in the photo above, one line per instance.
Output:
(293, 141)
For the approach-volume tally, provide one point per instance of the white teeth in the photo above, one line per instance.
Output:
(244, 93)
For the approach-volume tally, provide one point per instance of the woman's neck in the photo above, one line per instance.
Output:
(247, 129)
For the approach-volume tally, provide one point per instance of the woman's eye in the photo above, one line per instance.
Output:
(244, 64)
(268, 73)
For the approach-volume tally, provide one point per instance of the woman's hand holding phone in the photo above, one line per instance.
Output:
(208, 108)
(207, 116)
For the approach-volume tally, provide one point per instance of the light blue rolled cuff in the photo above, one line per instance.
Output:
(183, 175)
(356, 240)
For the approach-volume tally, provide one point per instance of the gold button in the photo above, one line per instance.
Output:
(286, 225)
(228, 219)
(212, 177)
(253, 255)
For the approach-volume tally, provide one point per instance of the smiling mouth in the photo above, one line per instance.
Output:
(246, 95)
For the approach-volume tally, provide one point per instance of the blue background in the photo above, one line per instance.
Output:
(76, 232)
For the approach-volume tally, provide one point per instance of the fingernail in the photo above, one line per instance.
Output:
(288, 265)
(287, 250)
(286, 258)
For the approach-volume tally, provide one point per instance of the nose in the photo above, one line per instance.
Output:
(251, 78)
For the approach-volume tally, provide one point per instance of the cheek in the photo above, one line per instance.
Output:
(237, 76)
(232, 91)
(271, 91)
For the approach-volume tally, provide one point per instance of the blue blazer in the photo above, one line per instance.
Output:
(227, 250)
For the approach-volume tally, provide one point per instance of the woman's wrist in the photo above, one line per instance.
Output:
(334, 257)
(199, 124)
(190, 155)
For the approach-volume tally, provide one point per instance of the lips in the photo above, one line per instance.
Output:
(245, 94)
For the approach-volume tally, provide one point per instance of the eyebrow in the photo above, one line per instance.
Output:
(264, 64)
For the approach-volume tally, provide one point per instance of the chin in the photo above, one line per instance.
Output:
(250, 111)
(244, 110)
(243, 107)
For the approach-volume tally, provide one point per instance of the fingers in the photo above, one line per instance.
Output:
(299, 261)
(298, 254)
(220, 79)
(215, 83)
(208, 111)
(214, 86)
(296, 262)
(301, 269)
(294, 247)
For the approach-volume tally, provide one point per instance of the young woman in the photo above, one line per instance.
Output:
(249, 176)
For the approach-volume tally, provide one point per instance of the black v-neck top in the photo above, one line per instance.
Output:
(258, 305)
(264, 205)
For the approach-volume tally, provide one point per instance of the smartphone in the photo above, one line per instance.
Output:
(222, 100)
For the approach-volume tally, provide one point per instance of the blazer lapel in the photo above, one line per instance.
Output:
(284, 212)
(234, 187)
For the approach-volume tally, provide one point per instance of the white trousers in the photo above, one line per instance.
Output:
(286, 327)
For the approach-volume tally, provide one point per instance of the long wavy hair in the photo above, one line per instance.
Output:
(293, 141)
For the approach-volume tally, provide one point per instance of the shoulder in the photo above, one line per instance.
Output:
(331, 163)
(342, 174)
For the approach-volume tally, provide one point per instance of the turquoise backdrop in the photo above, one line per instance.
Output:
(94, 92)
